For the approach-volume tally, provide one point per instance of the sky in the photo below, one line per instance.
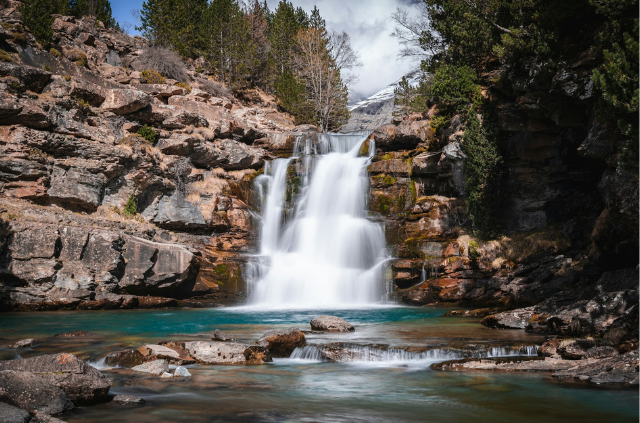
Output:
(368, 22)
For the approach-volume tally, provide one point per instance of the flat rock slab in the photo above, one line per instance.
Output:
(611, 370)
(546, 365)
(81, 382)
(213, 352)
(11, 414)
(156, 367)
(331, 324)
(32, 393)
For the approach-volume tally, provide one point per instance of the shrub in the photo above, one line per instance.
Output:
(165, 61)
(55, 52)
(130, 209)
(20, 37)
(483, 166)
(454, 87)
(438, 122)
(185, 86)
(151, 76)
(148, 134)
(5, 57)
(67, 78)
(217, 89)
(47, 67)
(82, 61)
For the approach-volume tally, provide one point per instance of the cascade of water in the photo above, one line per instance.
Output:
(327, 254)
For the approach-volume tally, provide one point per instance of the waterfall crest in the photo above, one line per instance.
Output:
(317, 248)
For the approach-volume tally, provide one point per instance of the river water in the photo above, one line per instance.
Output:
(289, 390)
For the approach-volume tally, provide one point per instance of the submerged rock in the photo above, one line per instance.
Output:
(127, 400)
(23, 343)
(82, 383)
(219, 335)
(281, 343)
(77, 334)
(331, 324)
(155, 367)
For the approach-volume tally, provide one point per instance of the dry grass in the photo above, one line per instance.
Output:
(204, 194)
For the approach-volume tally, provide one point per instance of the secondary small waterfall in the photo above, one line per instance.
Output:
(317, 247)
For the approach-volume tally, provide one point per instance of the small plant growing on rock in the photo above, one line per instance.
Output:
(5, 57)
(82, 60)
(15, 87)
(185, 86)
(8, 26)
(151, 76)
(67, 78)
(47, 67)
(20, 37)
(83, 106)
(56, 53)
(148, 134)
(130, 209)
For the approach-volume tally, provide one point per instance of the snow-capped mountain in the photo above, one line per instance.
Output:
(376, 110)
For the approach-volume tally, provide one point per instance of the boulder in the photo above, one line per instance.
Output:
(32, 393)
(125, 101)
(219, 335)
(155, 367)
(257, 354)
(128, 358)
(81, 383)
(30, 115)
(91, 93)
(229, 155)
(281, 343)
(127, 400)
(515, 319)
(76, 188)
(11, 414)
(211, 352)
(31, 78)
(331, 324)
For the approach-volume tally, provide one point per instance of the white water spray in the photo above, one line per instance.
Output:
(317, 248)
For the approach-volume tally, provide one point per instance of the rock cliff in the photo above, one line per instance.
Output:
(71, 159)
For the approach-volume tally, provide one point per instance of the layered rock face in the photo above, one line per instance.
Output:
(70, 161)
(570, 210)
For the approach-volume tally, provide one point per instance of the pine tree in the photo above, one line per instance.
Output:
(100, 9)
(37, 15)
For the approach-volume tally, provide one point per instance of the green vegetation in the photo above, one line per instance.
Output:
(38, 14)
(130, 209)
(183, 85)
(148, 134)
(286, 52)
(151, 76)
(56, 53)
(47, 67)
(483, 166)
(5, 57)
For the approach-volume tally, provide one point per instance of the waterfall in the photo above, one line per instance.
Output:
(317, 248)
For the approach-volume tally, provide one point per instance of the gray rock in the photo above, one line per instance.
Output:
(127, 400)
(156, 367)
(211, 352)
(11, 414)
(515, 319)
(125, 101)
(228, 154)
(81, 383)
(331, 324)
(76, 188)
(219, 335)
(33, 79)
(176, 212)
(91, 93)
(32, 393)
(24, 343)
(181, 372)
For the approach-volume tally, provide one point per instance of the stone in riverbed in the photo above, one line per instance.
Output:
(11, 414)
(281, 343)
(331, 324)
(23, 343)
(127, 400)
(155, 367)
(181, 372)
(81, 383)
(514, 319)
(128, 358)
(257, 354)
(30, 392)
(219, 335)
(77, 334)
(212, 352)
